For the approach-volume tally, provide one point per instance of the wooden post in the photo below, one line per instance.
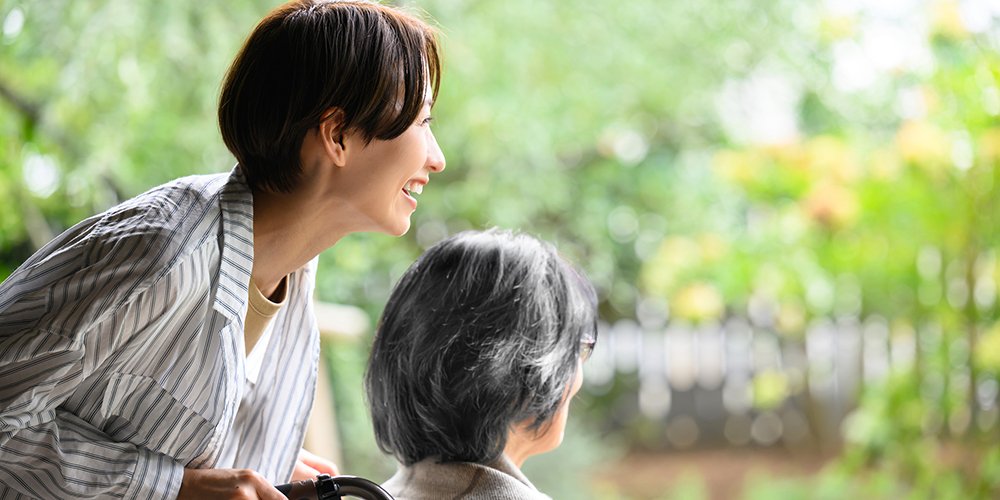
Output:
(335, 322)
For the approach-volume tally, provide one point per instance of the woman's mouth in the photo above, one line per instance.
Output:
(413, 187)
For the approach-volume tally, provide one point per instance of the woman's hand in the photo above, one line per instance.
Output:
(226, 484)
(309, 466)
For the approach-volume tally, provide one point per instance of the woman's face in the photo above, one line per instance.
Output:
(392, 172)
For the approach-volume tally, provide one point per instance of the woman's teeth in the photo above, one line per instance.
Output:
(414, 187)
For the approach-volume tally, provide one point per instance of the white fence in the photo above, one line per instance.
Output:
(736, 383)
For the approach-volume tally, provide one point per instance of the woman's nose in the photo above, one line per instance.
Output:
(435, 158)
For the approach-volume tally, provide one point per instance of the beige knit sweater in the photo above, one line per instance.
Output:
(428, 480)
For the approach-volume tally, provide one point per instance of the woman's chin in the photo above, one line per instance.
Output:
(398, 227)
(400, 230)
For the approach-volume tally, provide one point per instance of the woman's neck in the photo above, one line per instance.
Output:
(289, 230)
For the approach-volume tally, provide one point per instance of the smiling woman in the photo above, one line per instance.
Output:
(156, 368)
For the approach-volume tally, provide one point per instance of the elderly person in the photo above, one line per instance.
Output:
(168, 348)
(474, 364)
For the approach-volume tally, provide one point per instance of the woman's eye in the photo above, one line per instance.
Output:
(427, 121)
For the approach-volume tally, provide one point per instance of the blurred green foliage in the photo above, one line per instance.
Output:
(646, 139)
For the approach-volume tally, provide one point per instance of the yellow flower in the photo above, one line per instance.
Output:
(989, 145)
(676, 254)
(987, 351)
(713, 246)
(791, 320)
(837, 27)
(770, 389)
(679, 252)
(831, 205)
(791, 154)
(925, 145)
(698, 302)
(741, 167)
(885, 165)
(829, 156)
(947, 20)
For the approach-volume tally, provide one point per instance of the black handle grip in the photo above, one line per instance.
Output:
(361, 488)
(300, 490)
(325, 487)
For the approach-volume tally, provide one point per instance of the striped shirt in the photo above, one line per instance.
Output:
(122, 357)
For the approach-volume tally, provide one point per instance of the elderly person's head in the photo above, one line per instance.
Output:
(479, 351)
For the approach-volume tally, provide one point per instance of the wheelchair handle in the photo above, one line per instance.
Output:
(325, 487)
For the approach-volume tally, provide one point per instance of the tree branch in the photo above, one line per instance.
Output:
(34, 113)
(29, 109)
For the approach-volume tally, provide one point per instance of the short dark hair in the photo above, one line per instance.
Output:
(482, 332)
(372, 61)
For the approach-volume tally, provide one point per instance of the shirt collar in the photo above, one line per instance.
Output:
(236, 204)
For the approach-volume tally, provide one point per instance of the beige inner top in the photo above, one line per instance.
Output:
(261, 311)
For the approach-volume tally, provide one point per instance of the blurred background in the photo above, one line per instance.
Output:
(789, 209)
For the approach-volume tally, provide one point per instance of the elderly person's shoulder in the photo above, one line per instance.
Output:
(429, 480)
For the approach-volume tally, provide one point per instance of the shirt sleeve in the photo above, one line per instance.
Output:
(45, 451)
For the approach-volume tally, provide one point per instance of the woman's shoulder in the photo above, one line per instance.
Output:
(157, 230)
(460, 481)
(121, 252)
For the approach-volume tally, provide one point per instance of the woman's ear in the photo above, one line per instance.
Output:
(331, 131)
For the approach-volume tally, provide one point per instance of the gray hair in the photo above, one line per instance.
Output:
(482, 332)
